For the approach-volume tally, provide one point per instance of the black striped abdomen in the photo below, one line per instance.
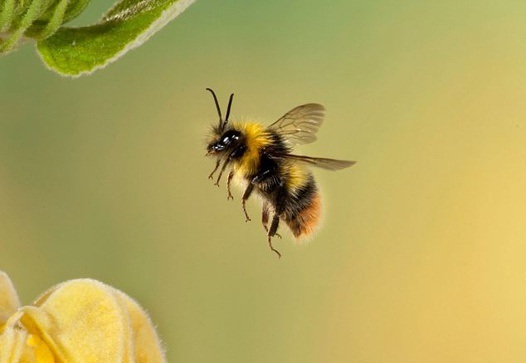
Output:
(302, 210)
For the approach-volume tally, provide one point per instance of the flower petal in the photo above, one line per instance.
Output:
(80, 321)
(146, 344)
(9, 302)
(86, 320)
(12, 342)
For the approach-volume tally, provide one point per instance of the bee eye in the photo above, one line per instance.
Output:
(229, 137)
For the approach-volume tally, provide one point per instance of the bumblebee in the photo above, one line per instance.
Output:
(261, 157)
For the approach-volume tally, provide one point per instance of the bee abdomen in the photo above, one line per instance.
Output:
(306, 221)
(304, 211)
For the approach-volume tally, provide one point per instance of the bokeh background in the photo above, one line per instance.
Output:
(422, 254)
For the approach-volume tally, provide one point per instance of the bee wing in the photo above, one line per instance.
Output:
(299, 125)
(324, 163)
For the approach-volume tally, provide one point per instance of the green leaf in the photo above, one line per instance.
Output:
(77, 51)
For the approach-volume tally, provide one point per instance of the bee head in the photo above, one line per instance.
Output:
(222, 138)
(225, 142)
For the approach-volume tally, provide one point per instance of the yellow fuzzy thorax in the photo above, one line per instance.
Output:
(256, 137)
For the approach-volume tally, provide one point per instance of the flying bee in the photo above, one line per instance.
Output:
(261, 156)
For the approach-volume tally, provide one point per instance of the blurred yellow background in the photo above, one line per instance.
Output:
(422, 256)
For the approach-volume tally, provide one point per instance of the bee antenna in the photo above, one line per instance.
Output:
(218, 108)
(228, 109)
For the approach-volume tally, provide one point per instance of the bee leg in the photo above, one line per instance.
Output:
(222, 171)
(230, 176)
(264, 215)
(246, 195)
(272, 232)
(211, 176)
(264, 218)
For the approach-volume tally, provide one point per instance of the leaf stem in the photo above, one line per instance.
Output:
(55, 21)
(34, 10)
(6, 15)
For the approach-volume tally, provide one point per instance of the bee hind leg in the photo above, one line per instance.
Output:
(264, 215)
(264, 218)
(272, 232)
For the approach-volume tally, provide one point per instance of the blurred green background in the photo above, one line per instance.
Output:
(422, 254)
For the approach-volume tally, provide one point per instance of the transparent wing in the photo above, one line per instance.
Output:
(324, 163)
(300, 125)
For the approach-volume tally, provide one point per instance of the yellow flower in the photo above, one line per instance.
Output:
(77, 321)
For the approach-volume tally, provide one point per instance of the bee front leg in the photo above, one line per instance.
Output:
(227, 161)
(230, 176)
(246, 195)
(272, 232)
(218, 161)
